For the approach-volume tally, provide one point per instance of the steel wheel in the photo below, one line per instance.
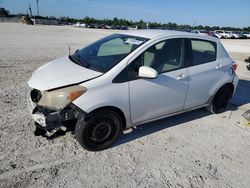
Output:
(99, 130)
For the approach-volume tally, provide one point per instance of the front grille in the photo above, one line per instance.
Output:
(35, 95)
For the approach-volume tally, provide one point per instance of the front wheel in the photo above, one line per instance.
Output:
(98, 130)
(220, 100)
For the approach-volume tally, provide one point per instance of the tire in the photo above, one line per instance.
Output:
(220, 100)
(99, 130)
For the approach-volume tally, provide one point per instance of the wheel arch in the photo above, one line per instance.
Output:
(112, 108)
(228, 84)
(231, 86)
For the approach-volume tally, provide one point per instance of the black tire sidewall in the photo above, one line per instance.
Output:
(224, 90)
(84, 124)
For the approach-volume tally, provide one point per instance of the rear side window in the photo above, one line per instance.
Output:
(203, 51)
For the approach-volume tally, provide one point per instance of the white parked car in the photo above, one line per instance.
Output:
(247, 34)
(128, 79)
(234, 35)
(78, 24)
(237, 35)
(201, 32)
(222, 34)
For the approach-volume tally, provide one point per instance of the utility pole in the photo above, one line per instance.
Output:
(30, 10)
(37, 7)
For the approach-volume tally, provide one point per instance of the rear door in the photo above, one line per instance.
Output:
(204, 71)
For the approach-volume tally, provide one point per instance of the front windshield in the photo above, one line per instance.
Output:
(104, 54)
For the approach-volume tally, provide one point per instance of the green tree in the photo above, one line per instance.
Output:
(4, 12)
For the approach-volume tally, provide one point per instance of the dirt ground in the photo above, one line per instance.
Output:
(195, 149)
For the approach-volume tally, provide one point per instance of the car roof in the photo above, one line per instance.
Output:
(155, 33)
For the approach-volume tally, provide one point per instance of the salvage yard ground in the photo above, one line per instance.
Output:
(195, 149)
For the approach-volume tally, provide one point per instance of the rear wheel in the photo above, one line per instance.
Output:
(99, 130)
(220, 100)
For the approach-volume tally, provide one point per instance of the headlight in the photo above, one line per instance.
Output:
(61, 97)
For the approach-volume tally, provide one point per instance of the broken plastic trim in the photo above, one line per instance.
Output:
(57, 121)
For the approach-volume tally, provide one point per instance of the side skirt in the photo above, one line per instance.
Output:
(168, 115)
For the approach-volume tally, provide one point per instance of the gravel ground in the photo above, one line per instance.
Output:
(195, 149)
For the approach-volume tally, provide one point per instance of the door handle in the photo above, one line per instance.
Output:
(219, 66)
(181, 77)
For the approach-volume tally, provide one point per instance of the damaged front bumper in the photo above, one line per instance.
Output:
(53, 120)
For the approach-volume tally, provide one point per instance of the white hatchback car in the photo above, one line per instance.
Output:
(128, 79)
(222, 34)
(201, 32)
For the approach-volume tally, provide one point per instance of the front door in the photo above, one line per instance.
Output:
(153, 98)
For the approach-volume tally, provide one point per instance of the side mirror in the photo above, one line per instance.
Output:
(147, 72)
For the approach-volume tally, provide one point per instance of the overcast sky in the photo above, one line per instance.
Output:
(193, 12)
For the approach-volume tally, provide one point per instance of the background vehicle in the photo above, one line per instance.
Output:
(27, 20)
(247, 34)
(234, 35)
(129, 79)
(237, 35)
(211, 33)
(200, 32)
(222, 34)
(248, 63)
(229, 34)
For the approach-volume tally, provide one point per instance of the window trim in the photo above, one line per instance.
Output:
(190, 53)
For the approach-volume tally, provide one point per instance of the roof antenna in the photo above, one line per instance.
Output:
(69, 49)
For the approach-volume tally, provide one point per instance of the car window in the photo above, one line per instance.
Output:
(114, 47)
(159, 45)
(163, 57)
(106, 53)
(203, 51)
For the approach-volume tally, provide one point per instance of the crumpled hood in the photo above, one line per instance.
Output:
(58, 73)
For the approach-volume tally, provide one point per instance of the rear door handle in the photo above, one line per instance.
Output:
(181, 77)
(219, 66)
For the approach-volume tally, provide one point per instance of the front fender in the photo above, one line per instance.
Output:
(111, 95)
